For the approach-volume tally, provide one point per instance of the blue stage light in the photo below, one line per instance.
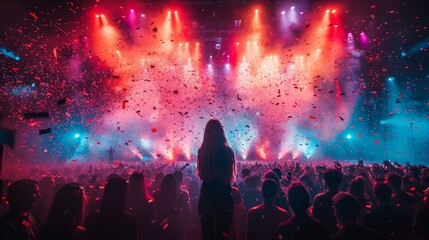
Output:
(77, 135)
(349, 136)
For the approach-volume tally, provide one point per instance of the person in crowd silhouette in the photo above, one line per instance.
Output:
(185, 204)
(306, 180)
(65, 215)
(322, 204)
(301, 226)
(140, 204)
(280, 199)
(46, 185)
(421, 224)
(216, 168)
(96, 199)
(402, 200)
(252, 196)
(169, 208)
(415, 175)
(245, 172)
(425, 178)
(346, 209)
(278, 172)
(156, 183)
(20, 222)
(111, 222)
(194, 227)
(238, 226)
(111, 152)
(263, 220)
(387, 219)
(357, 189)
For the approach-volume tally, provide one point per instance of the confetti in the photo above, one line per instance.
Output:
(62, 101)
(45, 131)
(36, 115)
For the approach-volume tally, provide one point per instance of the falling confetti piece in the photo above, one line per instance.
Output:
(62, 101)
(45, 131)
(34, 16)
(36, 115)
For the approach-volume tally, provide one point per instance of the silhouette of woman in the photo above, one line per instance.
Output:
(169, 209)
(112, 222)
(65, 215)
(140, 204)
(216, 168)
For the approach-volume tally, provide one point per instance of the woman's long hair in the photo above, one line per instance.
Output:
(67, 208)
(166, 198)
(216, 160)
(114, 196)
(137, 190)
(168, 191)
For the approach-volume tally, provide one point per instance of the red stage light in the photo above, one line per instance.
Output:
(101, 15)
(327, 11)
(257, 11)
(97, 16)
(169, 12)
(333, 11)
(175, 12)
